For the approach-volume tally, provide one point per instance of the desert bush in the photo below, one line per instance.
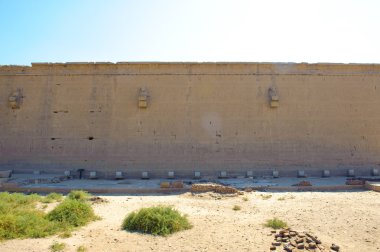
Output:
(81, 249)
(18, 200)
(79, 195)
(266, 196)
(19, 217)
(72, 213)
(56, 246)
(24, 224)
(52, 197)
(236, 208)
(159, 220)
(275, 223)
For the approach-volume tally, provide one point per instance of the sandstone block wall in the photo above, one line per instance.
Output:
(203, 117)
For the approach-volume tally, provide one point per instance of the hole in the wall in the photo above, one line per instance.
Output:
(90, 138)
(55, 112)
(92, 111)
(53, 138)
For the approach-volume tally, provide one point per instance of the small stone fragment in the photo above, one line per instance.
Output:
(312, 245)
(299, 240)
(300, 246)
(335, 247)
(272, 248)
(276, 243)
(273, 231)
(308, 239)
(288, 248)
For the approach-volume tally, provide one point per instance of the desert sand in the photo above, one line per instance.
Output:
(349, 219)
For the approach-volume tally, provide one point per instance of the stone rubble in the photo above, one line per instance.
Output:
(200, 188)
(288, 240)
(303, 183)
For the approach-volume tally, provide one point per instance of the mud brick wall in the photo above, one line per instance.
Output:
(190, 117)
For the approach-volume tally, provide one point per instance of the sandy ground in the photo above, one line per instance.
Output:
(349, 219)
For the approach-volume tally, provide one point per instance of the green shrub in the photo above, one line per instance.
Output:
(159, 220)
(26, 224)
(52, 197)
(79, 195)
(236, 208)
(18, 200)
(81, 249)
(275, 223)
(72, 213)
(65, 234)
(19, 217)
(57, 247)
(265, 197)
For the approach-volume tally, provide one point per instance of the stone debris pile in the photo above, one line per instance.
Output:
(303, 183)
(174, 184)
(201, 188)
(289, 240)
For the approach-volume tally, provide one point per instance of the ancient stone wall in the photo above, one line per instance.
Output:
(187, 117)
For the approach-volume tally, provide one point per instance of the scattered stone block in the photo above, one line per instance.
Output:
(144, 175)
(350, 173)
(171, 175)
(197, 175)
(325, 173)
(177, 184)
(301, 174)
(375, 172)
(223, 174)
(249, 174)
(275, 174)
(93, 175)
(36, 172)
(165, 184)
(119, 175)
(67, 173)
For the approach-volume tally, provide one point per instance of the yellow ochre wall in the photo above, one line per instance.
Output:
(203, 117)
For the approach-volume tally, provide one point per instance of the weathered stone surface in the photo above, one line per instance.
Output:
(193, 120)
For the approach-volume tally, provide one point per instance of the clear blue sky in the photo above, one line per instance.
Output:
(193, 30)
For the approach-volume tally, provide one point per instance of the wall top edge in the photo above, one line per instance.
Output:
(194, 63)
(190, 68)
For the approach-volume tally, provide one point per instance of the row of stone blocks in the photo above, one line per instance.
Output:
(224, 174)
